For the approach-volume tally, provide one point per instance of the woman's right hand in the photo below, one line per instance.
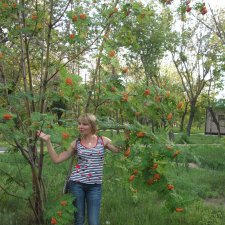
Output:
(43, 136)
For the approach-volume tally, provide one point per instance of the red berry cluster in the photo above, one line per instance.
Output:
(203, 10)
(188, 8)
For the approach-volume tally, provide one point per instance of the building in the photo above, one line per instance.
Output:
(210, 125)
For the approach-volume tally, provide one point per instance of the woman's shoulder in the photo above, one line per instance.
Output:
(73, 144)
(105, 139)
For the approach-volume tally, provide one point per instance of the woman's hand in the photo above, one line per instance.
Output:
(43, 136)
(62, 156)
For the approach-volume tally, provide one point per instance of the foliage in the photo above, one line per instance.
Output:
(60, 210)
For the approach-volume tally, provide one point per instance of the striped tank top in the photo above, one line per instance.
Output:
(89, 167)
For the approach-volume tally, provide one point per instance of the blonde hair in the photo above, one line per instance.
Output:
(89, 119)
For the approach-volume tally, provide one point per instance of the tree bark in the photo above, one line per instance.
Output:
(183, 117)
(191, 117)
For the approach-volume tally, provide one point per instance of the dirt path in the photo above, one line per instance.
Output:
(193, 165)
(209, 201)
(2, 149)
(215, 201)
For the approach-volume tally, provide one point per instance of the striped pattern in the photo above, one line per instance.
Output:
(89, 167)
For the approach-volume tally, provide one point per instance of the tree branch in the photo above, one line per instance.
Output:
(17, 182)
(8, 193)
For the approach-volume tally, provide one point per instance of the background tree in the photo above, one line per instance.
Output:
(215, 25)
(194, 62)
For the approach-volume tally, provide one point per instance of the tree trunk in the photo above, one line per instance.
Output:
(191, 117)
(183, 117)
(36, 202)
(37, 198)
(171, 136)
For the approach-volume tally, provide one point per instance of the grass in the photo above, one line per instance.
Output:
(202, 187)
(121, 207)
(199, 138)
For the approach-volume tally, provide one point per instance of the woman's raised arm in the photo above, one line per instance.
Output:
(55, 157)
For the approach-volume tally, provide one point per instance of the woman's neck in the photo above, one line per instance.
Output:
(89, 139)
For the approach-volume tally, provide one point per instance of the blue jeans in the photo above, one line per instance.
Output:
(89, 194)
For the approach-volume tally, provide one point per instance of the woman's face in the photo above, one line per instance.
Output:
(84, 127)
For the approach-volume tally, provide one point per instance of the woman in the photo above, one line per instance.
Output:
(86, 177)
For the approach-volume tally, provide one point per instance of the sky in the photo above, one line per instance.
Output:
(216, 3)
(213, 3)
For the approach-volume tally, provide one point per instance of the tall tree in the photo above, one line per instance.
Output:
(194, 61)
(147, 34)
(38, 40)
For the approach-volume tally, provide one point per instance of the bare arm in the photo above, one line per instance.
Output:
(56, 158)
(108, 144)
